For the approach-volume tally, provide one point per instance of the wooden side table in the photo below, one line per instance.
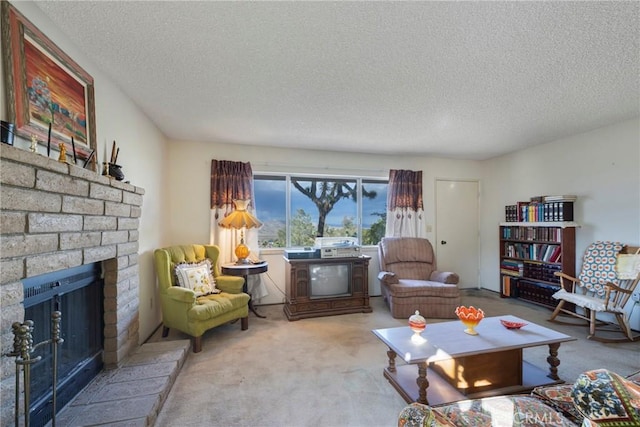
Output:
(245, 270)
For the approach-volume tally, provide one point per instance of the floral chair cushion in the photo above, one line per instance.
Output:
(525, 411)
(521, 411)
(559, 397)
(599, 398)
(599, 266)
(606, 399)
(419, 415)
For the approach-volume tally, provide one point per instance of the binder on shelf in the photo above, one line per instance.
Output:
(546, 212)
(511, 213)
(565, 211)
(541, 209)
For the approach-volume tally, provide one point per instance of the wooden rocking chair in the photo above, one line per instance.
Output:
(610, 273)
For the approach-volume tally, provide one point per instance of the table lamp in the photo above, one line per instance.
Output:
(240, 219)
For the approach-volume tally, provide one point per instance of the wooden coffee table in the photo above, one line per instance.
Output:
(452, 365)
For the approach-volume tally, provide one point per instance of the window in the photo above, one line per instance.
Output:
(374, 212)
(297, 209)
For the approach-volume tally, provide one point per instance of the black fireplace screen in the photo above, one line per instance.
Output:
(78, 294)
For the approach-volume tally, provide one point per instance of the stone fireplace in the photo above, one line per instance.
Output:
(56, 216)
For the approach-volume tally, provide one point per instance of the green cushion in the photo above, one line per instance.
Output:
(211, 306)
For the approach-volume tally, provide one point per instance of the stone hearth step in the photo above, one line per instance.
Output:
(132, 394)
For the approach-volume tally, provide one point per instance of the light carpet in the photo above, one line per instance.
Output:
(327, 371)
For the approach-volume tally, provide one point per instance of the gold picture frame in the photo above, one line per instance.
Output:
(50, 97)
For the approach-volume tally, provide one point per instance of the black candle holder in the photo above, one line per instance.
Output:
(112, 170)
(7, 131)
(116, 171)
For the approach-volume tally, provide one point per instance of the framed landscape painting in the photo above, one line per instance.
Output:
(49, 95)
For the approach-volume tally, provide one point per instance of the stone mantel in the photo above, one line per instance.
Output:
(55, 216)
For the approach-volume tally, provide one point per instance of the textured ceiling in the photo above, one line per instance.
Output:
(467, 80)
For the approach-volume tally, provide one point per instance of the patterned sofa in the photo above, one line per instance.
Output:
(598, 398)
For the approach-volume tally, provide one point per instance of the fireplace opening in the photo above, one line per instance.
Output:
(78, 294)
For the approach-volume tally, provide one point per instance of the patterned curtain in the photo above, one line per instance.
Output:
(405, 210)
(232, 181)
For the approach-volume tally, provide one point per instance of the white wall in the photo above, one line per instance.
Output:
(600, 167)
(142, 156)
(189, 186)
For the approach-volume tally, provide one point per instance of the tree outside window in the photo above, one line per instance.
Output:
(318, 207)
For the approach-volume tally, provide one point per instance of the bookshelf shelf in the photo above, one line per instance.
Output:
(560, 224)
(530, 254)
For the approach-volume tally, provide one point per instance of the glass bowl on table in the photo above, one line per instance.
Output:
(470, 317)
(512, 325)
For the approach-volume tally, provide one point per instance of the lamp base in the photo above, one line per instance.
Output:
(242, 252)
(243, 261)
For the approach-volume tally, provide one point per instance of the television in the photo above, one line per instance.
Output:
(325, 287)
(329, 280)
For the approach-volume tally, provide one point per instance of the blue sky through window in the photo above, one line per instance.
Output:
(270, 202)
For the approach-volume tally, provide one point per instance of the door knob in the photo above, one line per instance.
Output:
(443, 242)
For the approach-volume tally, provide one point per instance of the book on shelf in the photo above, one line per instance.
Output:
(522, 209)
(540, 211)
(555, 256)
(545, 252)
(511, 267)
(548, 252)
(511, 213)
(509, 286)
(564, 198)
(565, 211)
(506, 286)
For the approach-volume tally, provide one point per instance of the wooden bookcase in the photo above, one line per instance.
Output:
(530, 254)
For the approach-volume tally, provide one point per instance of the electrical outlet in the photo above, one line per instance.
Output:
(636, 297)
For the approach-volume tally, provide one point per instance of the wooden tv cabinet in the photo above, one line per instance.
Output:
(301, 304)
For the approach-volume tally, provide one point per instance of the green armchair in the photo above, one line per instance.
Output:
(182, 310)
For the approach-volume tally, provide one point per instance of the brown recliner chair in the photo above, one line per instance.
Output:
(410, 281)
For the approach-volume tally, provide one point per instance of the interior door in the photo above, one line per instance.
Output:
(457, 232)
